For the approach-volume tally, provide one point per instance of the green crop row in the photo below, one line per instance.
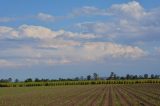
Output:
(92, 82)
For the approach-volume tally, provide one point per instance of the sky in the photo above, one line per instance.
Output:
(70, 38)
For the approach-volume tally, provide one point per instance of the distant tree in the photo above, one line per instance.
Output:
(4, 80)
(146, 76)
(156, 76)
(77, 78)
(46, 80)
(53, 80)
(95, 76)
(140, 77)
(42, 80)
(131, 76)
(70, 79)
(152, 76)
(60, 79)
(135, 77)
(28, 80)
(16, 80)
(112, 76)
(37, 80)
(9, 79)
(81, 78)
(128, 76)
(117, 77)
(89, 77)
(122, 78)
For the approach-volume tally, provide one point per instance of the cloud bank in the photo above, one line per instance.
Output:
(88, 41)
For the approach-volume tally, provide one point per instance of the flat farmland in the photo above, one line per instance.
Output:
(82, 95)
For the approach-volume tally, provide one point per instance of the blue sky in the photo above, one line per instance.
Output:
(52, 39)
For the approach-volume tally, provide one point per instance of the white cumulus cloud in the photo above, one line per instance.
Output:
(46, 17)
(39, 32)
(67, 52)
(10, 64)
(89, 10)
(132, 10)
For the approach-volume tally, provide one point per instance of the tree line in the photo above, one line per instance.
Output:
(94, 76)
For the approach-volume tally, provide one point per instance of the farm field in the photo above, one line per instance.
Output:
(82, 95)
